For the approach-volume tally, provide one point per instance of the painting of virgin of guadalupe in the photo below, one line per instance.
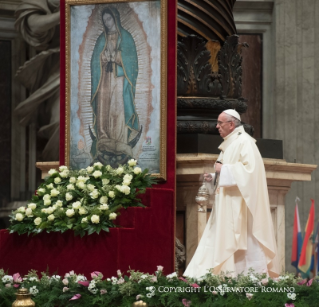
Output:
(117, 84)
(114, 71)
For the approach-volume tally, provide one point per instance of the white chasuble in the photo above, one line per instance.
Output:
(239, 233)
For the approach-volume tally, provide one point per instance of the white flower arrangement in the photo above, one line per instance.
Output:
(85, 201)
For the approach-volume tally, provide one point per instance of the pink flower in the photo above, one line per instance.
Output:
(84, 283)
(183, 279)
(309, 283)
(138, 296)
(17, 278)
(65, 289)
(119, 273)
(75, 297)
(160, 268)
(65, 282)
(96, 274)
(195, 285)
(289, 305)
(16, 285)
(103, 291)
(215, 292)
(264, 281)
(121, 281)
(302, 282)
(249, 296)
(186, 303)
(154, 279)
(8, 285)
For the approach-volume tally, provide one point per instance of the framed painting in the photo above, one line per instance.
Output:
(116, 83)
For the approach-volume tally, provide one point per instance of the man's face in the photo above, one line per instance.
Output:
(224, 126)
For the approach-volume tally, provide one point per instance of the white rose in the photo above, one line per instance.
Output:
(47, 202)
(95, 219)
(89, 169)
(84, 220)
(57, 180)
(52, 171)
(90, 187)
(55, 207)
(127, 177)
(112, 216)
(46, 197)
(63, 168)
(120, 170)
(118, 187)
(72, 180)
(126, 182)
(32, 206)
(69, 212)
(81, 178)
(111, 194)
(125, 189)
(50, 186)
(19, 217)
(54, 192)
(65, 173)
(132, 162)
(21, 209)
(29, 212)
(44, 210)
(82, 211)
(104, 207)
(81, 185)
(68, 196)
(99, 165)
(137, 170)
(37, 221)
(94, 194)
(49, 210)
(76, 205)
(41, 191)
(59, 203)
(51, 217)
(70, 187)
(105, 181)
(97, 174)
(103, 200)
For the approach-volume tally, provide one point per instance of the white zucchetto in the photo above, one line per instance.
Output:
(232, 113)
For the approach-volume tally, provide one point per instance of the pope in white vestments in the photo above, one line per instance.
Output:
(239, 233)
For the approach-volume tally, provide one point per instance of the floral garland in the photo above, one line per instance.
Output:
(86, 201)
(160, 290)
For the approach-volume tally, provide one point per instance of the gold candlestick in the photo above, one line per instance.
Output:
(139, 304)
(23, 299)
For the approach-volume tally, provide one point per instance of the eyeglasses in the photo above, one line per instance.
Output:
(220, 123)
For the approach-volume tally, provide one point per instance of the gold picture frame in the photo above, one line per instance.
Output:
(116, 111)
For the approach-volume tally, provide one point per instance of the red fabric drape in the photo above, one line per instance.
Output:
(147, 236)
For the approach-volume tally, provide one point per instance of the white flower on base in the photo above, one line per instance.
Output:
(59, 203)
(52, 171)
(38, 221)
(65, 173)
(90, 187)
(97, 174)
(57, 180)
(99, 165)
(172, 275)
(51, 217)
(54, 192)
(63, 168)
(89, 169)
(68, 196)
(137, 170)
(111, 194)
(112, 216)
(70, 187)
(7, 278)
(33, 290)
(104, 207)
(50, 186)
(46, 197)
(82, 211)
(132, 162)
(19, 217)
(32, 206)
(103, 200)
(125, 189)
(95, 219)
(81, 185)
(119, 170)
(84, 220)
(76, 205)
(29, 212)
(105, 181)
(21, 209)
(94, 194)
(41, 191)
(47, 202)
(72, 180)
(70, 212)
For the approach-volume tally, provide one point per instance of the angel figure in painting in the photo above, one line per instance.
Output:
(114, 71)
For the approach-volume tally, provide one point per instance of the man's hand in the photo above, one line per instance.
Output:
(218, 167)
(208, 177)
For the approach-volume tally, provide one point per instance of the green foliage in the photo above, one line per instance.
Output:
(158, 290)
(86, 201)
